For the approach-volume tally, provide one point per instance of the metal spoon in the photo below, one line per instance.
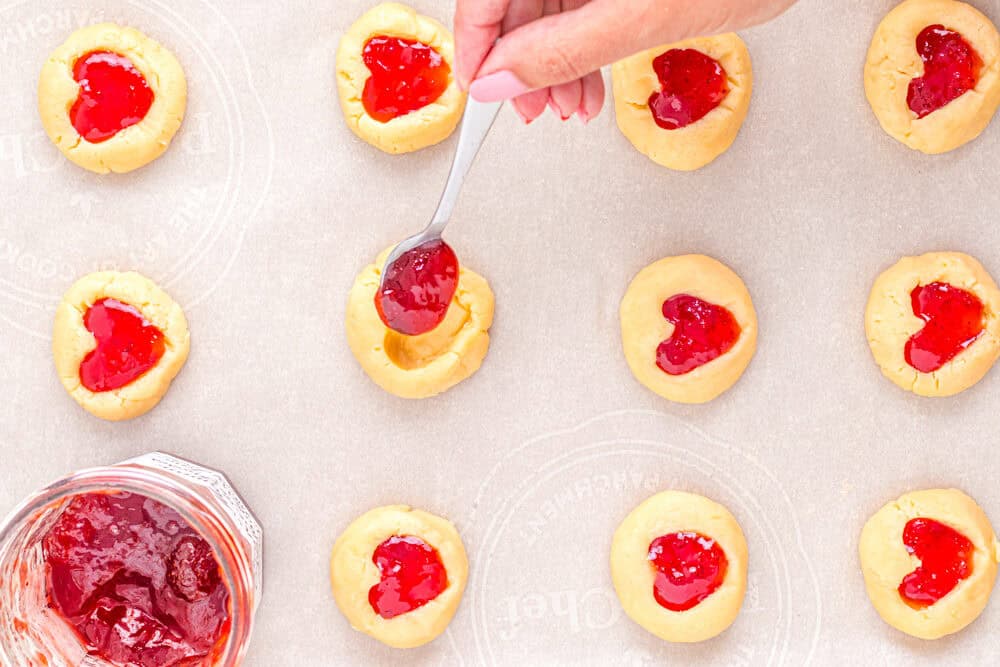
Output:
(476, 123)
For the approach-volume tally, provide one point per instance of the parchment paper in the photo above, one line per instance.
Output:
(261, 214)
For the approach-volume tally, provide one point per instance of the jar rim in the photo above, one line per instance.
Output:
(169, 490)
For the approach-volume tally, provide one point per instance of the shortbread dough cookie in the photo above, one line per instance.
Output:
(637, 81)
(892, 543)
(399, 550)
(429, 110)
(428, 364)
(111, 98)
(895, 70)
(676, 550)
(118, 342)
(661, 334)
(934, 354)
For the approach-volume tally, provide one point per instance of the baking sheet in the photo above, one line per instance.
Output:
(259, 217)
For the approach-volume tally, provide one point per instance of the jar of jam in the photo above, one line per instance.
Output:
(153, 562)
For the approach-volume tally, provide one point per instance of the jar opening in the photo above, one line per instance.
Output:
(32, 632)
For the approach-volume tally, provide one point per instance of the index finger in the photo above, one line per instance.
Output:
(478, 24)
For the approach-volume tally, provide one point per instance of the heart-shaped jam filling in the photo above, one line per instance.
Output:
(406, 75)
(417, 288)
(691, 85)
(951, 69)
(954, 320)
(945, 559)
(412, 576)
(128, 346)
(689, 567)
(702, 332)
(113, 95)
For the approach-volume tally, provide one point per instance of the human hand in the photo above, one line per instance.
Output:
(551, 51)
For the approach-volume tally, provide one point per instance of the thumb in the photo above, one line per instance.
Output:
(567, 46)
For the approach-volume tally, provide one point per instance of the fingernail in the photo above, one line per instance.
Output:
(496, 87)
(520, 114)
(557, 111)
(582, 113)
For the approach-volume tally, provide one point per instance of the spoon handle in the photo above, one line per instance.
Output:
(476, 123)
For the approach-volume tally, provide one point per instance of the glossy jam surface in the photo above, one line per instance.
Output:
(406, 75)
(113, 95)
(140, 586)
(951, 69)
(945, 559)
(692, 84)
(128, 346)
(412, 576)
(689, 568)
(417, 288)
(954, 320)
(702, 332)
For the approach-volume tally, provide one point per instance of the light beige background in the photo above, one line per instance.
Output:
(533, 458)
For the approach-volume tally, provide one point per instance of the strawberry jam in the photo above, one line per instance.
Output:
(412, 576)
(127, 346)
(702, 332)
(954, 320)
(691, 85)
(945, 559)
(951, 69)
(136, 581)
(417, 288)
(689, 568)
(113, 95)
(406, 75)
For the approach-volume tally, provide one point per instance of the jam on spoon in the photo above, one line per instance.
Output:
(417, 288)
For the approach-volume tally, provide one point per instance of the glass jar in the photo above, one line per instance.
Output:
(33, 634)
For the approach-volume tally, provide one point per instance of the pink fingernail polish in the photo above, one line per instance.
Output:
(527, 121)
(557, 111)
(584, 116)
(502, 85)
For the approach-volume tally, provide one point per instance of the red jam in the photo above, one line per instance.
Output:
(136, 581)
(689, 568)
(945, 559)
(951, 69)
(954, 320)
(702, 332)
(417, 288)
(113, 95)
(412, 576)
(127, 346)
(406, 75)
(692, 84)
